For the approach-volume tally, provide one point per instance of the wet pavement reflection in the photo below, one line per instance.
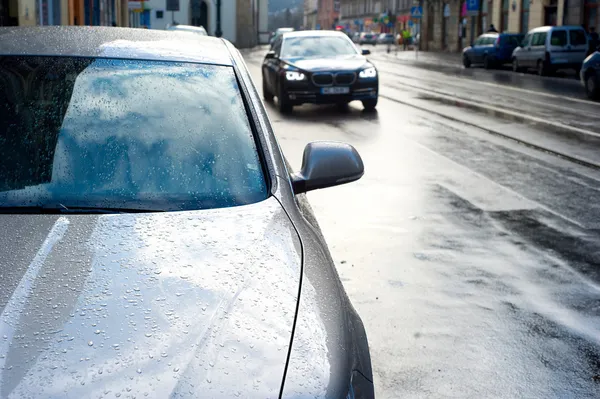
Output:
(472, 259)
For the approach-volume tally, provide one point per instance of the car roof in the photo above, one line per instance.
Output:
(111, 42)
(313, 33)
(190, 28)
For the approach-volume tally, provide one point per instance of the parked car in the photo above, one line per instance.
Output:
(279, 32)
(162, 247)
(368, 38)
(491, 49)
(550, 48)
(590, 75)
(318, 67)
(385, 38)
(188, 28)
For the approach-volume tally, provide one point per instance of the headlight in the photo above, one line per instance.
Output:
(293, 75)
(368, 73)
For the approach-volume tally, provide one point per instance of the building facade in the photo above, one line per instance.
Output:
(328, 12)
(445, 25)
(243, 22)
(374, 15)
(310, 14)
(63, 12)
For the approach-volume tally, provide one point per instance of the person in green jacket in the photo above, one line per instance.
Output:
(405, 38)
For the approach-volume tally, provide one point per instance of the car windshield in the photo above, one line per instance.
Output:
(317, 47)
(122, 134)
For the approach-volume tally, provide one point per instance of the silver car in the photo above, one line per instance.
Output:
(154, 240)
(550, 48)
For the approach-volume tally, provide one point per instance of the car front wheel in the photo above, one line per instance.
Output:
(466, 61)
(283, 104)
(515, 65)
(267, 95)
(592, 86)
(370, 104)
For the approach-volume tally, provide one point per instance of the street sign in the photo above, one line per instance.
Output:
(172, 5)
(473, 7)
(417, 12)
(410, 23)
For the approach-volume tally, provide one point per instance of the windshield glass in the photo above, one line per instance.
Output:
(124, 134)
(317, 46)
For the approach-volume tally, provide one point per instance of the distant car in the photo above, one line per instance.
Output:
(550, 48)
(491, 49)
(278, 32)
(368, 38)
(162, 245)
(319, 67)
(590, 75)
(188, 28)
(356, 37)
(385, 38)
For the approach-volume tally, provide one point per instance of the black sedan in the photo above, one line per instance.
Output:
(318, 67)
(153, 240)
(590, 75)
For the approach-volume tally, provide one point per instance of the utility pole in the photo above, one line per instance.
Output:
(218, 32)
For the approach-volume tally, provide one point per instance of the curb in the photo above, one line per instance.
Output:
(578, 160)
(502, 113)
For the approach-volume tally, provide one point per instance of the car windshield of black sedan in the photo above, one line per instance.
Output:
(122, 134)
(317, 47)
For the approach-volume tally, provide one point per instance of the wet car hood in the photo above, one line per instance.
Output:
(179, 304)
(346, 63)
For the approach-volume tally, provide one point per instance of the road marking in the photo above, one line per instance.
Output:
(517, 89)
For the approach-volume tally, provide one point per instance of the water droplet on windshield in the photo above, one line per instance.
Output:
(91, 343)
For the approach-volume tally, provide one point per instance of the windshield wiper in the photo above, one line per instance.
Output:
(61, 209)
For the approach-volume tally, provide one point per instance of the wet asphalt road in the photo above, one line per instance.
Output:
(473, 260)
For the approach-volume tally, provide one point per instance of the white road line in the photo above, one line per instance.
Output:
(12, 312)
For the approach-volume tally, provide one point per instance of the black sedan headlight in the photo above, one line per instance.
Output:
(368, 73)
(294, 76)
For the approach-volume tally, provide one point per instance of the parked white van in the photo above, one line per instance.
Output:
(550, 48)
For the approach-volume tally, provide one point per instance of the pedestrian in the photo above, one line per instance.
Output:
(594, 41)
(492, 29)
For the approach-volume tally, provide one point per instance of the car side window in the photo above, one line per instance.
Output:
(577, 37)
(527, 41)
(539, 39)
(558, 38)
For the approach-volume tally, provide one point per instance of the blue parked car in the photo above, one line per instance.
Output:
(491, 49)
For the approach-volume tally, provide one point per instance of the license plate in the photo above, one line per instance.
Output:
(335, 90)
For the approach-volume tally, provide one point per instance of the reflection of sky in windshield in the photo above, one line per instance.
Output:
(323, 46)
(138, 130)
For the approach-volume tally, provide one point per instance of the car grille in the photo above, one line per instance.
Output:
(322, 79)
(345, 78)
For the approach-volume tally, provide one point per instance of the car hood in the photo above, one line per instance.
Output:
(178, 304)
(346, 63)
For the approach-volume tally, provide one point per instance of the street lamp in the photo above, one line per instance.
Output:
(218, 32)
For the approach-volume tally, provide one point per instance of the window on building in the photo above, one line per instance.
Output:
(524, 16)
(504, 20)
(160, 14)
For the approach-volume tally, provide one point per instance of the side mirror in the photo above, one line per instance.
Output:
(327, 164)
(270, 55)
(366, 51)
